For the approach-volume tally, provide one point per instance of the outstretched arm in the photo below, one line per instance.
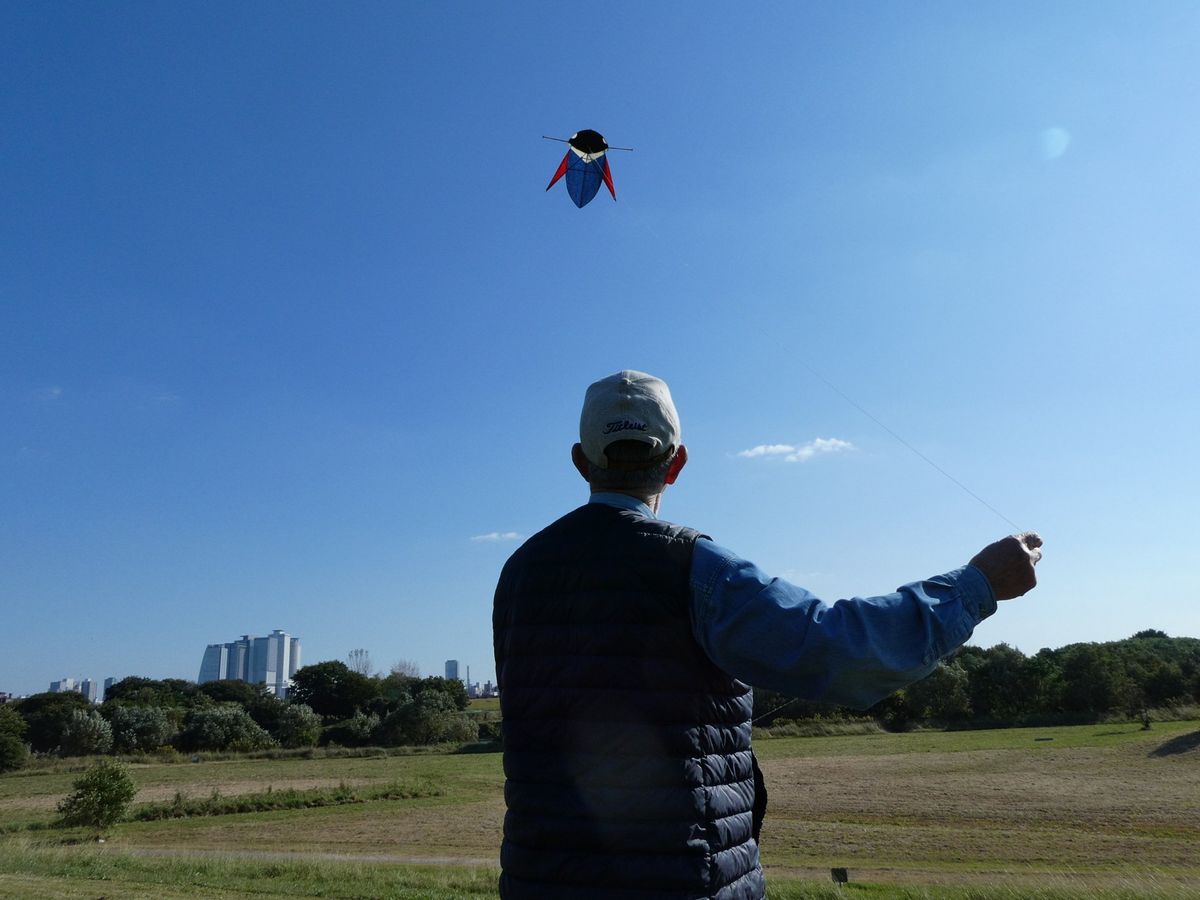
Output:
(774, 634)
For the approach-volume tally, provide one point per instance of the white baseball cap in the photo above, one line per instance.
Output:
(627, 406)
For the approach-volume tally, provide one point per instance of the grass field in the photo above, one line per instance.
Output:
(1090, 811)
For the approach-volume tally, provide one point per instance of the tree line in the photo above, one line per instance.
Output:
(329, 703)
(1001, 686)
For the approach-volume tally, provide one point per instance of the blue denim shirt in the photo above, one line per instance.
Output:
(773, 634)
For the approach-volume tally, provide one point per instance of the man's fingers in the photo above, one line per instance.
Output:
(1032, 542)
(1008, 564)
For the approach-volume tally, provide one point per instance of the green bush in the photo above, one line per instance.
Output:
(12, 748)
(297, 726)
(356, 731)
(85, 733)
(431, 717)
(101, 796)
(13, 754)
(818, 727)
(223, 728)
(47, 715)
(183, 807)
(170, 692)
(140, 729)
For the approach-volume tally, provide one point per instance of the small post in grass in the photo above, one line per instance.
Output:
(839, 876)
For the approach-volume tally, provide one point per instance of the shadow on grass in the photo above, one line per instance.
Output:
(1181, 744)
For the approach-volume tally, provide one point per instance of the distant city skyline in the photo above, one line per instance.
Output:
(85, 686)
(271, 661)
(24, 687)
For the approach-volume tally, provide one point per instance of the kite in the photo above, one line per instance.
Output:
(585, 165)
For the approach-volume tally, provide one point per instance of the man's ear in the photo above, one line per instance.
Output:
(677, 464)
(580, 461)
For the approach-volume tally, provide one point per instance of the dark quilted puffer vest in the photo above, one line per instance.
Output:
(626, 751)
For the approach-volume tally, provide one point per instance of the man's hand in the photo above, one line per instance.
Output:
(1008, 564)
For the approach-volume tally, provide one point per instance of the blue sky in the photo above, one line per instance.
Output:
(292, 337)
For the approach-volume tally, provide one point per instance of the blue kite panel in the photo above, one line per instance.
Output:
(583, 179)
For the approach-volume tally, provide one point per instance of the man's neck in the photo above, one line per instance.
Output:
(651, 500)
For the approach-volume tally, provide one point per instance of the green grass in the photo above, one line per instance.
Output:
(1094, 812)
(1042, 739)
(90, 872)
(94, 872)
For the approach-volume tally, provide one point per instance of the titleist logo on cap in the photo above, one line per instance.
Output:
(623, 425)
(628, 405)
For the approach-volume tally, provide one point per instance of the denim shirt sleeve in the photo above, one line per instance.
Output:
(853, 652)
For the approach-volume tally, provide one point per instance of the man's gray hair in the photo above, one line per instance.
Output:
(631, 468)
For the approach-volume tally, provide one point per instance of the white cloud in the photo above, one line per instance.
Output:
(803, 453)
(767, 450)
(54, 392)
(495, 537)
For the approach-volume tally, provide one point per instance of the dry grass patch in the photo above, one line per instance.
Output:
(1114, 808)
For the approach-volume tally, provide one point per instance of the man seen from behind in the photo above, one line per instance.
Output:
(625, 647)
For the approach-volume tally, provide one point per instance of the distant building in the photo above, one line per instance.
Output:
(477, 691)
(452, 670)
(5, 697)
(86, 686)
(214, 665)
(270, 660)
(108, 682)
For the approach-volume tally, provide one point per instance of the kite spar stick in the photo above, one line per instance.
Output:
(565, 141)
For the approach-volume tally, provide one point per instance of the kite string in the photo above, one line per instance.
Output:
(833, 387)
(934, 465)
(775, 710)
